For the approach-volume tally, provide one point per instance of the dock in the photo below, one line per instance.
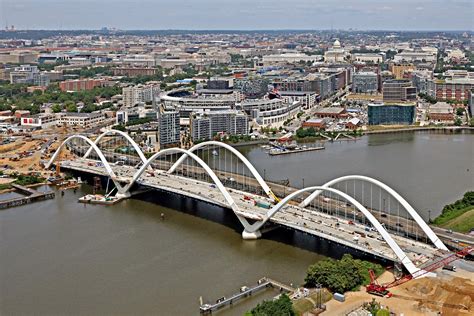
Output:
(31, 195)
(245, 291)
(291, 151)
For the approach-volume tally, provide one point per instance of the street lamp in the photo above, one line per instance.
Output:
(303, 182)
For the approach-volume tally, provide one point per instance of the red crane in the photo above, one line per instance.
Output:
(382, 289)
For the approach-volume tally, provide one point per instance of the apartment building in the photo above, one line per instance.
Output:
(205, 125)
(134, 95)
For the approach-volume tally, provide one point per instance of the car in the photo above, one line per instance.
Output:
(449, 231)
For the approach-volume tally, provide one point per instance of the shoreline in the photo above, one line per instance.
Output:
(443, 129)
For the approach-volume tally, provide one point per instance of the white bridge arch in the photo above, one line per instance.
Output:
(239, 155)
(414, 214)
(252, 230)
(108, 168)
(125, 135)
(401, 255)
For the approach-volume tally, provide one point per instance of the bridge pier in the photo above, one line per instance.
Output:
(251, 235)
(124, 195)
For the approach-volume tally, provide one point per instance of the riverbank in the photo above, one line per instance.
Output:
(442, 129)
(458, 216)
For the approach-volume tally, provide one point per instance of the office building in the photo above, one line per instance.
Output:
(18, 57)
(84, 120)
(30, 75)
(205, 125)
(451, 88)
(400, 69)
(134, 71)
(391, 114)
(398, 90)
(365, 82)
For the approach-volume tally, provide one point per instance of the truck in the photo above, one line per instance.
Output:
(262, 204)
(449, 267)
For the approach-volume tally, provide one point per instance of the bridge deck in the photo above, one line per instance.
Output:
(292, 216)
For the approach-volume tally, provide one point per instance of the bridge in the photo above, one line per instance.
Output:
(354, 211)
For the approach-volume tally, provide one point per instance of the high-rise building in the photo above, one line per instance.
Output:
(391, 114)
(365, 82)
(398, 90)
(471, 102)
(133, 95)
(205, 125)
(168, 128)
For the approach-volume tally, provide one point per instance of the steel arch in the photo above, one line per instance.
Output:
(414, 214)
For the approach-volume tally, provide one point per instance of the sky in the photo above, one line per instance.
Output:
(239, 14)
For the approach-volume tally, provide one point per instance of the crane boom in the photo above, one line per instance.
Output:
(382, 289)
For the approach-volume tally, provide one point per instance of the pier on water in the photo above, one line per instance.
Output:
(31, 195)
(245, 291)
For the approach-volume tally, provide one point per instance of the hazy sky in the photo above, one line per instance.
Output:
(239, 14)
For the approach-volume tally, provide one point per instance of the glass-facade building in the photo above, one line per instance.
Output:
(391, 114)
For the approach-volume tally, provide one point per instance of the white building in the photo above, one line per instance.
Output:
(336, 54)
(134, 95)
(412, 56)
(375, 58)
(42, 121)
(289, 58)
(270, 112)
(83, 120)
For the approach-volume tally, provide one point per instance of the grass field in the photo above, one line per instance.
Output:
(462, 223)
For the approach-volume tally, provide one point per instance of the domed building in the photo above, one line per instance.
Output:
(336, 54)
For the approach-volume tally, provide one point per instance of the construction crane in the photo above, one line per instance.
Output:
(382, 289)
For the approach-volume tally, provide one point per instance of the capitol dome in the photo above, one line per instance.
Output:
(336, 44)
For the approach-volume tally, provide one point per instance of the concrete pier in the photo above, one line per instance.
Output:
(31, 196)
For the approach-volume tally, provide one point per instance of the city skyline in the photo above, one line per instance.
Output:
(245, 15)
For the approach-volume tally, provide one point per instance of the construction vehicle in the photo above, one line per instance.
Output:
(382, 289)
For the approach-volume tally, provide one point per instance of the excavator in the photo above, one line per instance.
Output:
(375, 288)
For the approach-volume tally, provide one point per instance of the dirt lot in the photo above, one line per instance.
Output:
(448, 294)
(29, 163)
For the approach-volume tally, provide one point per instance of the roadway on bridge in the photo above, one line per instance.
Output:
(293, 216)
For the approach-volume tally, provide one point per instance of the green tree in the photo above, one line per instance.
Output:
(457, 121)
(280, 307)
(70, 106)
(459, 111)
(56, 108)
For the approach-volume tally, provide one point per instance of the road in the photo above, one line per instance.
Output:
(292, 216)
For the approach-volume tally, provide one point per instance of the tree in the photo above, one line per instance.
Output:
(70, 106)
(459, 111)
(471, 122)
(457, 121)
(280, 307)
(56, 108)
(340, 275)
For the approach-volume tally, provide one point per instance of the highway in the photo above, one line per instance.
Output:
(353, 235)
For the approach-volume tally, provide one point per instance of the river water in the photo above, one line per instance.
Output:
(61, 257)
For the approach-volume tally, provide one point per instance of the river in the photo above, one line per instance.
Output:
(62, 257)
